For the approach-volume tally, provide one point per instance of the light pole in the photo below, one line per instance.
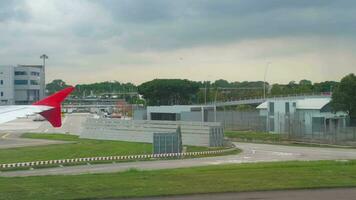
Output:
(44, 57)
(206, 85)
(216, 96)
(264, 80)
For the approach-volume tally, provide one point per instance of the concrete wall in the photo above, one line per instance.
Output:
(235, 120)
(140, 114)
(193, 133)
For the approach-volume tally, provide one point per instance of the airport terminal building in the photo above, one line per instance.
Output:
(21, 84)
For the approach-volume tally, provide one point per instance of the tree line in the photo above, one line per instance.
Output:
(183, 91)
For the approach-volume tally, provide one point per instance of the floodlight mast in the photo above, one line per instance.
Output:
(264, 80)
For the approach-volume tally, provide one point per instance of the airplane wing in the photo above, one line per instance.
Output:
(49, 108)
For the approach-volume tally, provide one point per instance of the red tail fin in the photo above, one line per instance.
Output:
(55, 100)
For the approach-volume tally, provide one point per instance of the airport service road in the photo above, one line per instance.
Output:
(13, 140)
(10, 132)
(324, 194)
(251, 153)
(72, 123)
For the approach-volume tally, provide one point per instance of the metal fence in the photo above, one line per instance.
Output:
(316, 128)
(311, 127)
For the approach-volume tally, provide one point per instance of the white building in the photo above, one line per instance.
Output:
(21, 84)
(307, 116)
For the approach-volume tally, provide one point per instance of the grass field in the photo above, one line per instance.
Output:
(249, 136)
(270, 138)
(77, 149)
(227, 178)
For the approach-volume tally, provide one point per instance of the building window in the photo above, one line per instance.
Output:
(21, 82)
(20, 73)
(34, 82)
(2, 94)
(1, 82)
(294, 104)
(35, 73)
(287, 107)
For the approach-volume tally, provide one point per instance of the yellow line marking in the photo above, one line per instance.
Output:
(4, 136)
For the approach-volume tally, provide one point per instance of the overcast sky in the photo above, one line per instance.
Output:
(139, 40)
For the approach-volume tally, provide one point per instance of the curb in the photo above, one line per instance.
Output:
(110, 158)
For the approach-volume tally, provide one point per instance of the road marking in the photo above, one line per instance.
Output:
(4, 136)
(64, 120)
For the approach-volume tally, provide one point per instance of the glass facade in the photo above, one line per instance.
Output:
(34, 82)
(21, 82)
(20, 73)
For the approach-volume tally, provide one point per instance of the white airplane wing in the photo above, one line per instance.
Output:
(9, 113)
(49, 108)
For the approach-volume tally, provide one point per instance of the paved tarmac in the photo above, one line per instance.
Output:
(72, 123)
(12, 140)
(322, 194)
(251, 153)
(10, 132)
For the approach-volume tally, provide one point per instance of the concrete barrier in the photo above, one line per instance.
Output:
(193, 133)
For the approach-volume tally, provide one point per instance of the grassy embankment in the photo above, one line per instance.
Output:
(78, 148)
(270, 138)
(250, 136)
(227, 178)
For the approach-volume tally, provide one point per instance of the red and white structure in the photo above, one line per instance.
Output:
(49, 108)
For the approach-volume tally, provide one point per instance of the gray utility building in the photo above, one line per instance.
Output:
(21, 84)
(168, 142)
(180, 112)
(304, 116)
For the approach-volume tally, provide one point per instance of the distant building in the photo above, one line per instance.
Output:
(21, 84)
(305, 116)
(180, 112)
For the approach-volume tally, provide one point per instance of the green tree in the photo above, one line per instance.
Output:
(55, 86)
(169, 91)
(344, 97)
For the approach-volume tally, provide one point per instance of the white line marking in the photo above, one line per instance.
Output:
(4, 136)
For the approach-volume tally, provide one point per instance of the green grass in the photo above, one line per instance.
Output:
(78, 148)
(227, 178)
(250, 136)
(270, 138)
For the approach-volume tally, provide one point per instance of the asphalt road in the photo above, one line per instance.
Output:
(72, 123)
(251, 153)
(324, 194)
(10, 132)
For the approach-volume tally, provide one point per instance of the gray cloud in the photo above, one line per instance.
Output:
(12, 10)
(139, 33)
(179, 24)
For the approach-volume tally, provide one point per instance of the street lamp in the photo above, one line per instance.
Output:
(264, 80)
(44, 57)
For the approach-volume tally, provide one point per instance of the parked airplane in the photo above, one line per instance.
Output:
(49, 108)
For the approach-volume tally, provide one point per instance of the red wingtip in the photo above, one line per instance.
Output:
(55, 100)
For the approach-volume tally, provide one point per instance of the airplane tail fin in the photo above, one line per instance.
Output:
(54, 115)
